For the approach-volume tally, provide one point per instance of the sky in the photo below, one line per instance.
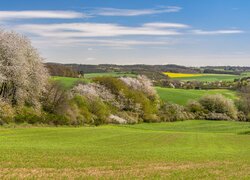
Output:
(183, 32)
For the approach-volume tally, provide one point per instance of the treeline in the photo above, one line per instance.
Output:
(216, 71)
(132, 68)
(56, 69)
(228, 68)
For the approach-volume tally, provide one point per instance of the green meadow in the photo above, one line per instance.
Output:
(69, 82)
(180, 150)
(182, 96)
(112, 74)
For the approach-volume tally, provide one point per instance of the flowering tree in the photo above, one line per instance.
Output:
(22, 73)
(94, 90)
(141, 83)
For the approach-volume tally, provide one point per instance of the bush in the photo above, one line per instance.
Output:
(55, 99)
(218, 104)
(6, 112)
(28, 115)
(242, 116)
(195, 107)
(55, 119)
(132, 99)
(174, 112)
(217, 116)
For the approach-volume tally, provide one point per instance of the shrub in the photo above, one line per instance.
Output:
(217, 116)
(55, 99)
(6, 112)
(131, 99)
(79, 112)
(55, 119)
(131, 117)
(99, 110)
(242, 116)
(141, 83)
(219, 104)
(28, 115)
(194, 107)
(174, 112)
(94, 90)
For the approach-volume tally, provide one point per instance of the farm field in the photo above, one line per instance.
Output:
(182, 96)
(188, 149)
(205, 77)
(69, 82)
(113, 74)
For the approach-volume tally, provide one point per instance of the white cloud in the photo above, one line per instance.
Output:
(110, 42)
(67, 30)
(9, 15)
(165, 25)
(90, 59)
(134, 12)
(217, 32)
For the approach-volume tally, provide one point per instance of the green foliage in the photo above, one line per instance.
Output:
(99, 110)
(219, 104)
(134, 100)
(174, 112)
(6, 112)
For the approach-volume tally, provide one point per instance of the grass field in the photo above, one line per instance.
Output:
(182, 96)
(181, 150)
(205, 77)
(69, 82)
(113, 74)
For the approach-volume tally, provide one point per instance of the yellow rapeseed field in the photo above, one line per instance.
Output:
(180, 75)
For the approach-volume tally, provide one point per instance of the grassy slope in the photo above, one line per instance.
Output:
(182, 96)
(189, 149)
(113, 74)
(69, 82)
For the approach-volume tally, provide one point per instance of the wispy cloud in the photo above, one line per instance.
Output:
(107, 42)
(10, 15)
(134, 12)
(90, 12)
(66, 30)
(216, 32)
(165, 25)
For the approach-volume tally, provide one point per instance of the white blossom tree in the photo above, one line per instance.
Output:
(22, 73)
(141, 83)
(93, 90)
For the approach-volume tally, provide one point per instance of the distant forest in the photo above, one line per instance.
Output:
(74, 70)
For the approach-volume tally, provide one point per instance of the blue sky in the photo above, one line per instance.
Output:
(185, 32)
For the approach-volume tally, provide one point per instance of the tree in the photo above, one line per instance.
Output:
(22, 73)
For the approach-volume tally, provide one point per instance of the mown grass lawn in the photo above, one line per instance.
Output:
(182, 96)
(187, 150)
